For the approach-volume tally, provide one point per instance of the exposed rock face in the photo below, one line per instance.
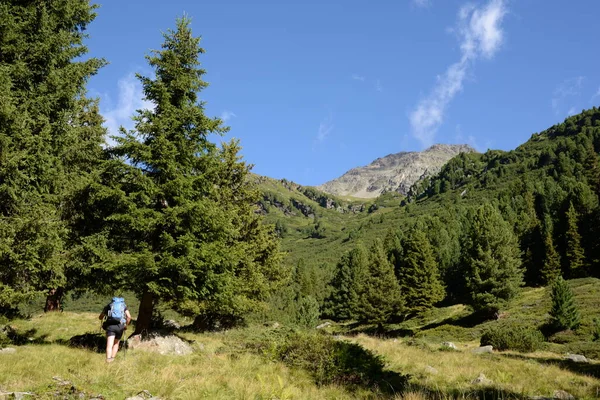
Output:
(394, 172)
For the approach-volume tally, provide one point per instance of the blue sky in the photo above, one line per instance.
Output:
(313, 88)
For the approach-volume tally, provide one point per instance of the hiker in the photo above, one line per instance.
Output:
(117, 319)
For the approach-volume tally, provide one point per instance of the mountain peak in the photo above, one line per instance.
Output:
(394, 172)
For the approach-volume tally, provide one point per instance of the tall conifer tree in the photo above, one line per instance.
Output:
(574, 257)
(378, 292)
(50, 140)
(184, 221)
(350, 273)
(564, 314)
(418, 274)
(492, 260)
(551, 268)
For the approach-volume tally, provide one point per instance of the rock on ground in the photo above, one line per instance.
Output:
(430, 370)
(483, 349)
(562, 395)
(577, 358)
(449, 345)
(169, 344)
(143, 395)
(482, 380)
(16, 395)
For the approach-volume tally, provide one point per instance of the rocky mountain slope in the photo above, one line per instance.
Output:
(394, 172)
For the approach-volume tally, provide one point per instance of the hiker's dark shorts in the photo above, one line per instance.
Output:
(115, 330)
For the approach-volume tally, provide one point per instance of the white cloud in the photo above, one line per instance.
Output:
(325, 128)
(357, 77)
(130, 99)
(596, 95)
(378, 86)
(227, 115)
(481, 35)
(568, 88)
(421, 3)
(572, 111)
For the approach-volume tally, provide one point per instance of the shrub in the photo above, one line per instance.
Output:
(588, 349)
(329, 361)
(4, 340)
(596, 331)
(307, 313)
(332, 361)
(513, 337)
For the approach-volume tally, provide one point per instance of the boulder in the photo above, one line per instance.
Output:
(16, 395)
(430, 370)
(578, 358)
(324, 325)
(482, 380)
(171, 324)
(169, 344)
(483, 350)
(562, 395)
(143, 395)
(449, 345)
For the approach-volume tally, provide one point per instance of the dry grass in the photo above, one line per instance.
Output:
(209, 373)
(215, 372)
(512, 374)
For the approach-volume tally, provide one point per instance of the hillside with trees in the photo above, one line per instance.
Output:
(272, 285)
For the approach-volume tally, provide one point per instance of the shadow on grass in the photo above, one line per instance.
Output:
(95, 342)
(580, 368)
(483, 393)
(21, 338)
(467, 321)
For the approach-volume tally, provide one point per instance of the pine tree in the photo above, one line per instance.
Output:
(574, 256)
(393, 248)
(564, 313)
(378, 292)
(184, 221)
(346, 283)
(551, 267)
(418, 275)
(50, 138)
(492, 260)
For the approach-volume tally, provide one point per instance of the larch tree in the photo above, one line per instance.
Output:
(50, 141)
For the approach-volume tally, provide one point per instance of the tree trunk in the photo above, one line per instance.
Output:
(142, 325)
(53, 300)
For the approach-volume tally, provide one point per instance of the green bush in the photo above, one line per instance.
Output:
(338, 362)
(329, 361)
(588, 349)
(596, 331)
(307, 313)
(513, 337)
(4, 339)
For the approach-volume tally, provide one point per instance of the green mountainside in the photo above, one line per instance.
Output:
(546, 191)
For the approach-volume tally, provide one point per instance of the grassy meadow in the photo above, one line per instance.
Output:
(224, 366)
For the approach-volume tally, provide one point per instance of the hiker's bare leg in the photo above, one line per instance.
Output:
(115, 348)
(110, 340)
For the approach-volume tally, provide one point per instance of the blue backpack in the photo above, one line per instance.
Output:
(116, 310)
